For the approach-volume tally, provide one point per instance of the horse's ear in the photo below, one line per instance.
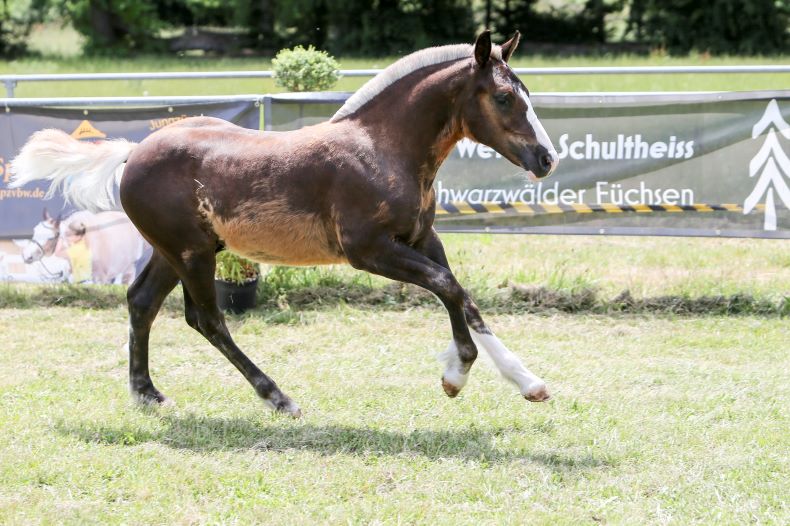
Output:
(510, 46)
(483, 48)
(47, 217)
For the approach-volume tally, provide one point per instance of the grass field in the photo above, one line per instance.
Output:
(540, 83)
(655, 420)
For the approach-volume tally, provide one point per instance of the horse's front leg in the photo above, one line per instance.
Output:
(396, 260)
(530, 385)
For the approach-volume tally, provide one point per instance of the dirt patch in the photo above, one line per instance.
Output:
(512, 298)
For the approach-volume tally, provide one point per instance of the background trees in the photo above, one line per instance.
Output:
(394, 27)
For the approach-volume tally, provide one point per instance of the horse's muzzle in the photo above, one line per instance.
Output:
(539, 162)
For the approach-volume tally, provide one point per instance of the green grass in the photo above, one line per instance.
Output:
(59, 47)
(654, 421)
(517, 274)
(540, 83)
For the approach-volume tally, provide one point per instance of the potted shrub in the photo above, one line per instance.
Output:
(236, 282)
(301, 69)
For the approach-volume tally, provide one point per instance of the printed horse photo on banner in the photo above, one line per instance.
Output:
(100, 248)
(357, 189)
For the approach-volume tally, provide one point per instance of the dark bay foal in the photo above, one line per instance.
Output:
(357, 189)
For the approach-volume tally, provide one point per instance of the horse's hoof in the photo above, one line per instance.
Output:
(284, 406)
(154, 398)
(450, 389)
(538, 393)
(292, 411)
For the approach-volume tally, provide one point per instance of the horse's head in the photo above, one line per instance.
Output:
(44, 240)
(498, 112)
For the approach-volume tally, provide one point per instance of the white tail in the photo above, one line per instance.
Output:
(86, 173)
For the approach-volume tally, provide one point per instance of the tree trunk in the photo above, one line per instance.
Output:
(102, 23)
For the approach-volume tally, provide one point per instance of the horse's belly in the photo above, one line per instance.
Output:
(272, 235)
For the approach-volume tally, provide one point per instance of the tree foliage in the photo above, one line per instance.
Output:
(716, 26)
(16, 20)
(396, 27)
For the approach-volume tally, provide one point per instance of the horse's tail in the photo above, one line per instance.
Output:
(86, 173)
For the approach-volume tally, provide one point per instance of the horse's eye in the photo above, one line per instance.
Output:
(503, 99)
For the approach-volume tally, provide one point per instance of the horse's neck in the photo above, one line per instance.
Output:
(417, 120)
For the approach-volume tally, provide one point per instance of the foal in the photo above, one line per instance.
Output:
(357, 189)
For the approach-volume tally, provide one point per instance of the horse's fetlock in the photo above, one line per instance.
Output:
(468, 354)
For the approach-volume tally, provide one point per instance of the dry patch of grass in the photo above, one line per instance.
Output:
(515, 274)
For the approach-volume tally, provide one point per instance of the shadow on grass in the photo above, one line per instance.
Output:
(201, 434)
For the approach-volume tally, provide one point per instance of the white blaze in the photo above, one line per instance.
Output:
(540, 132)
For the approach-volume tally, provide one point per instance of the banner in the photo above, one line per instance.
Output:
(45, 240)
(683, 164)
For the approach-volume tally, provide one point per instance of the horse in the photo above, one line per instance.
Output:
(356, 189)
(115, 246)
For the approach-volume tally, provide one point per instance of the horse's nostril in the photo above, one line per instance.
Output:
(545, 161)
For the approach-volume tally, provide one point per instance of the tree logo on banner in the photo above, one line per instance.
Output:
(774, 164)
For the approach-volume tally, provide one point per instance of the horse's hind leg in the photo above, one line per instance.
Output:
(190, 311)
(145, 297)
(202, 313)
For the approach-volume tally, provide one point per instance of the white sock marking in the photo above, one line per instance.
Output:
(452, 370)
(508, 363)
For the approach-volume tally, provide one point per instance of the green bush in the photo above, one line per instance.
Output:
(301, 69)
(716, 26)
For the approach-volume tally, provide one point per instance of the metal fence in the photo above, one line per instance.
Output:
(10, 81)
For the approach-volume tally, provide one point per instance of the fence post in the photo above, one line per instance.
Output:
(9, 87)
(267, 113)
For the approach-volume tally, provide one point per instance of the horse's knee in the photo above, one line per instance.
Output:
(192, 319)
(210, 324)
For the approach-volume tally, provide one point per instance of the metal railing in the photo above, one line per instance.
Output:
(11, 81)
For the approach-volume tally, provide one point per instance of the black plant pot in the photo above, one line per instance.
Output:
(236, 298)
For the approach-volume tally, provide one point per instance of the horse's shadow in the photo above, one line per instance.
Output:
(199, 433)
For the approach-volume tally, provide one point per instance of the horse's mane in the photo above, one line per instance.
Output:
(408, 64)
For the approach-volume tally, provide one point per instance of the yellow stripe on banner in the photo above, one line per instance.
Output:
(464, 208)
(612, 209)
(493, 208)
(551, 209)
(523, 208)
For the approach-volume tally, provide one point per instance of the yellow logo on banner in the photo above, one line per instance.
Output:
(86, 130)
